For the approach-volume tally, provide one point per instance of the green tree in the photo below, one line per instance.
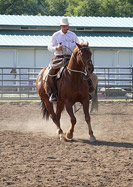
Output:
(19, 7)
(116, 8)
(55, 7)
(83, 8)
(126, 8)
(71, 9)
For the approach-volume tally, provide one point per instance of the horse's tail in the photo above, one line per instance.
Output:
(44, 110)
(94, 105)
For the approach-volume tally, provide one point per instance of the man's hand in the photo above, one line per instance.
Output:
(59, 48)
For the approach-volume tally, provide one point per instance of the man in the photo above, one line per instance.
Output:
(62, 43)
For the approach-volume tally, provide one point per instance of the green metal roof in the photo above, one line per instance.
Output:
(37, 39)
(52, 21)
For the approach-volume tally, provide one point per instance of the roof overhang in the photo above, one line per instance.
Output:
(41, 39)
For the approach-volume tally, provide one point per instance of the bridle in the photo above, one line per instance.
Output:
(88, 61)
(85, 72)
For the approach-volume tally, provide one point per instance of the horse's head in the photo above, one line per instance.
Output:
(83, 54)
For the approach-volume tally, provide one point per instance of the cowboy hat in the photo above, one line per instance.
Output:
(64, 21)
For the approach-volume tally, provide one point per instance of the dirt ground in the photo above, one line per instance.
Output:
(32, 156)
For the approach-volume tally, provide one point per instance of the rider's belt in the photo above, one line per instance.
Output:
(62, 56)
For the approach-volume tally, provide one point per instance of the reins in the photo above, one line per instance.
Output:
(76, 71)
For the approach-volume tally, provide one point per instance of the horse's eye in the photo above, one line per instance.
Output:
(89, 69)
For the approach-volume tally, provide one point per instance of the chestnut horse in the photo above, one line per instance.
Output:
(72, 87)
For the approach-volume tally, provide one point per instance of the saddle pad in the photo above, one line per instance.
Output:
(46, 72)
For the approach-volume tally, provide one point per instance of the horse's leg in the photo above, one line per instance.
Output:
(88, 120)
(93, 94)
(69, 109)
(59, 109)
(52, 114)
(47, 107)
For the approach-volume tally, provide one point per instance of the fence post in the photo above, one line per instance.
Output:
(2, 84)
(132, 83)
(20, 83)
(105, 83)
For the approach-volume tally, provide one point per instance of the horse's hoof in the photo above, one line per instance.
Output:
(93, 139)
(69, 136)
(63, 137)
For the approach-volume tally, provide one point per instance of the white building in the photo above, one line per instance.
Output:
(24, 39)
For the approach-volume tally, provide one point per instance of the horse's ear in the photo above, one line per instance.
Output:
(87, 43)
(78, 45)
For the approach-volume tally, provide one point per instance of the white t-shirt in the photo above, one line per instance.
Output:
(66, 40)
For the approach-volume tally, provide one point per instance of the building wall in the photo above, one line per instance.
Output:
(103, 58)
(112, 58)
(42, 57)
(24, 57)
(7, 57)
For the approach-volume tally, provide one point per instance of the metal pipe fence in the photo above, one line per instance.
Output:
(20, 83)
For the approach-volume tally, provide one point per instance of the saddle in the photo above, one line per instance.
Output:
(58, 65)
